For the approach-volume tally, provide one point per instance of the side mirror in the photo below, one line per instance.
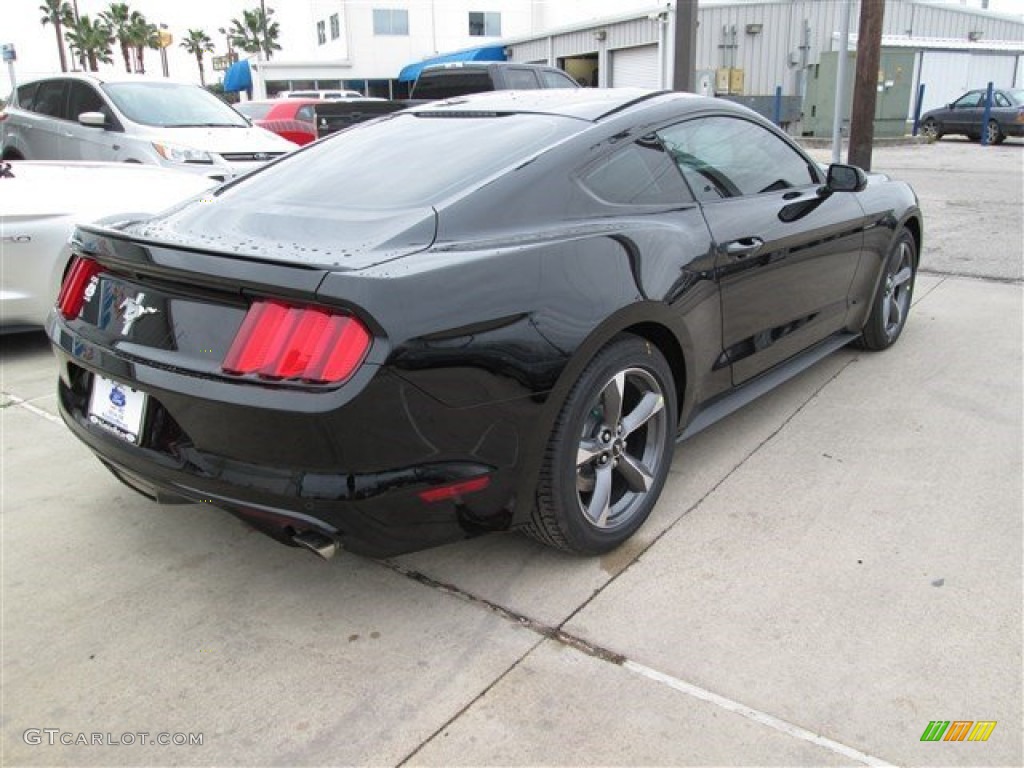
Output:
(845, 178)
(93, 119)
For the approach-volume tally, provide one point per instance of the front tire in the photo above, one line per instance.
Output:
(610, 451)
(892, 304)
(930, 130)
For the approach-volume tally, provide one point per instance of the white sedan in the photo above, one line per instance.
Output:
(40, 204)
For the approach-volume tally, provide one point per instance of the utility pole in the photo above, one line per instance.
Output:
(684, 68)
(865, 86)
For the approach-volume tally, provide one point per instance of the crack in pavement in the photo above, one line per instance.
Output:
(971, 276)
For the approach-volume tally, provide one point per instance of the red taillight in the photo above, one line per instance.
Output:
(454, 490)
(281, 341)
(72, 291)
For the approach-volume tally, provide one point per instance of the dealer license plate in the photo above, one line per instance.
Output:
(117, 408)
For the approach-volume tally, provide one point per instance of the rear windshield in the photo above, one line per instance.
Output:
(445, 85)
(254, 110)
(403, 161)
(1016, 96)
(172, 105)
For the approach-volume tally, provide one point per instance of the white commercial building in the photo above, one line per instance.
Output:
(745, 48)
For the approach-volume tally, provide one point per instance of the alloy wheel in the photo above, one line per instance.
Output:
(899, 283)
(621, 449)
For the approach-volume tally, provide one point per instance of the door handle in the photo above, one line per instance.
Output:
(744, 247)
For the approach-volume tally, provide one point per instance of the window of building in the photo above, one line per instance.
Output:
(483, 24)
(321, 32)
(390, 21)
(335, 26)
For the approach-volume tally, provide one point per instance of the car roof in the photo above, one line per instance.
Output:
(98, 78)
(584, 103)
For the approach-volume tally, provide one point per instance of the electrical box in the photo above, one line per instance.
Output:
(722, 80)
(735, 81)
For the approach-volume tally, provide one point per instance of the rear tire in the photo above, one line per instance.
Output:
(610, 451)
(892, 304)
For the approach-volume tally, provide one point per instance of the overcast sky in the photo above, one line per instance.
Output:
(37, 48)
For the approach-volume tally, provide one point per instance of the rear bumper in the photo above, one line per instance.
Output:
(353, 473)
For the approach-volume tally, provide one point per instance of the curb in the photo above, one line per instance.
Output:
(822, 142)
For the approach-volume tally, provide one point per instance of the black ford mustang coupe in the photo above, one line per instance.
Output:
(498, 311)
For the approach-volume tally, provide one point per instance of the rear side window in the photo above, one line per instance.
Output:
(520, 79)
(254, 111)
(27, 94)
(445, 85)
(50, 99)
(640, 174)
(404, 161)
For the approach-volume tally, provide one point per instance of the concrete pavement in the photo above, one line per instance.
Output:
(829, 570)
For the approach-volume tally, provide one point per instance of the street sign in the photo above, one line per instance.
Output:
(8, 52)
(222, 63)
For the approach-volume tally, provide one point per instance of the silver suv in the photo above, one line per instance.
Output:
(132, 119)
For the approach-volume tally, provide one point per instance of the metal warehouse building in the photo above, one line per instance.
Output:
(745, 50)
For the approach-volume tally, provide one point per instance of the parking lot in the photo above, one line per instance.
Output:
(829, 570)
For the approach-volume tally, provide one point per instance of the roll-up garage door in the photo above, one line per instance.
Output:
(635, 67)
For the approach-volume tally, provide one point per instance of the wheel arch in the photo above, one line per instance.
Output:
(913, 225)
(650, 321)
(667, 343)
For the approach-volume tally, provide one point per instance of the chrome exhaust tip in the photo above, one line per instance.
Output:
(318, 543)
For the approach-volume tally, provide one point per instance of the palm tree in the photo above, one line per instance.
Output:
(90, 41)
(255, 33)
(58, 13)
(197, 43)
(118, 17)
(142, 35)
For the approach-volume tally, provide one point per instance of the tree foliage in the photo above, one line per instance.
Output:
(58, 13)
(254, 33)
(90, 41)
(197, 43)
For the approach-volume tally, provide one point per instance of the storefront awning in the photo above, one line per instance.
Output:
(488, 53)
(238, 77)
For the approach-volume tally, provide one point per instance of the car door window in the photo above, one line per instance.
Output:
(556, 80)
(968, 101)
(84, 98)
(639, 174)
(731, 157)
(1000, 100)
(520, 79)
(305, 114)
(50, 99)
